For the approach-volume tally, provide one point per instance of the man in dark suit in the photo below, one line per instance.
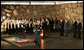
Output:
(66, 26)
(16, 30)
(79, 29)
(10, 29)
(51, 24)
(45, 25)
(74, 28)
(31, 26)
(56, 25)
(13, 27)
(61, 27)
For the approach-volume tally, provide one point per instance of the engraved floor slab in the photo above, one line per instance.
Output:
(13, 41)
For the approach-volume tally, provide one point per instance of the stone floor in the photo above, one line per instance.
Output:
(52, 41)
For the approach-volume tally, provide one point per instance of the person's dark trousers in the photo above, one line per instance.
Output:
(79, 34)
(26, 30)
(10, 31)
(48, 28)
(65, 32)
(51, 28)
(7, 31)
(13, 31)
(32, 30)
(75, 33)
(44, 31)
(29, 30)
(61, 32)
(56, 29)
(16, 30)
(20, 30)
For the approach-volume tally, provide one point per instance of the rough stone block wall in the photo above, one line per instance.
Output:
(30, 11)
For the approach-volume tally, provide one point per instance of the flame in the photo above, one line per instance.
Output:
(42, 44)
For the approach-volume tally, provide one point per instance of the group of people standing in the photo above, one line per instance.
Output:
(77, 27)
(47, 24)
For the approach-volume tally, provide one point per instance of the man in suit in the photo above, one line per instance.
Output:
(79, 29)
(43, 24)
(66, 26)
(51, 24)
(10, 30)
(47, 23)
(37, 32)
(13, 27)
(61, 27)
(56, 25)
(16, 30)
(74, 28)
(31, 26)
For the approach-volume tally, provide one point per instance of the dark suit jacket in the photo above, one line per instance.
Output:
(13, 25)
(62, 25)
(79, 26)
(66, 26)
(74, 25)
(56, 22)
(51, 23)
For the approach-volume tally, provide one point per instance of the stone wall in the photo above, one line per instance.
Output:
(74, 10)
(36, 11)
(30, 11)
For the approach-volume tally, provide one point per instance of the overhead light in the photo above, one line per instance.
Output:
(66, 2)
(15, 3)
(80, 1)
(42, 3)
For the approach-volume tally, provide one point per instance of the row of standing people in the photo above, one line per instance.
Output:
(47, 26)
(64, 25)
